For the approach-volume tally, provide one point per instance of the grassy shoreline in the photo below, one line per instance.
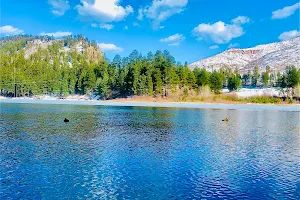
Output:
(158, 104)
(213, 99)
(210, 99)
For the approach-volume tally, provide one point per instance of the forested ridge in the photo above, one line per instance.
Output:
(33, 65)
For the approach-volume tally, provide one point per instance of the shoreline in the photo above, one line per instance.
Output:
(130, 103)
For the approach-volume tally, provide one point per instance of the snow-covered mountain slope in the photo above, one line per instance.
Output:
(276, 55)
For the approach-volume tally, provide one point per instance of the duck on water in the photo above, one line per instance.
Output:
(225, 120)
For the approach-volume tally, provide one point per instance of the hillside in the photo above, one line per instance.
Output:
(276, 55)
(41, 65)
(62, 48)
(32, 65)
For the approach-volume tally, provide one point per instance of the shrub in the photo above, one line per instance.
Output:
(195, 99)
(215, 98)
(231, 98)
(290, 100)
(263, 99)
(185, 92)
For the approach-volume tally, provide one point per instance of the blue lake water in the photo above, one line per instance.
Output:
(120, 152)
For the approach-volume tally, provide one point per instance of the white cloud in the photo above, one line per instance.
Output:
(104, 11)
(285, 12)
(220, 32)
(241, 20)
(174, 44)
(125, 27)
(214, 47)
(10, 30)
(135, 24)
(109, 47)
(57, 34)
(103, 26)
(107, 26)
(160, 10)
(288, 35)
(94, 25)
(59, 7)
(232, 45)
(173, 38)
(140, 15)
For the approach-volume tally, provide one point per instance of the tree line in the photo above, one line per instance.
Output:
(53, 70)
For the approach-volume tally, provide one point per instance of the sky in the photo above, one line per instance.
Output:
(189, 29)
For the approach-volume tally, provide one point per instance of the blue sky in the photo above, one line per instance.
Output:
(189, 29)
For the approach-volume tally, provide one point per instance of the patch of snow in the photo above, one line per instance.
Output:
(79, 47)
(45, 97)
(34, 45)
(277, 55)
(245, 92)
(77, 97)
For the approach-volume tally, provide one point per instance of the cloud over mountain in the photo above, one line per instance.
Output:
(109, 47)
(285, 12)
(103, 26)
(10, 30)
(173, 40)
(59, 7)
(214, 47)
(288, 35)
(103, 11)
(57, 34)
(160, 10)
(220, 32)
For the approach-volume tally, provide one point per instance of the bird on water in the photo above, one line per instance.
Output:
(225, 120)
(66, 120)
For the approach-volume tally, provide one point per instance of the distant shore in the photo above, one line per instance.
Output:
(130, 102)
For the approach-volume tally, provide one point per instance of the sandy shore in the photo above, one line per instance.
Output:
(155, 104)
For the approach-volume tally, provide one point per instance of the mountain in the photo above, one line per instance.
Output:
(275, 55)
(34, 65)
(53, 48)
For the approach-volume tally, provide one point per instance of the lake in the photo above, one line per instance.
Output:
(116, 152)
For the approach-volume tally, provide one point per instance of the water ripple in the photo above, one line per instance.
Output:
(147, 153)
